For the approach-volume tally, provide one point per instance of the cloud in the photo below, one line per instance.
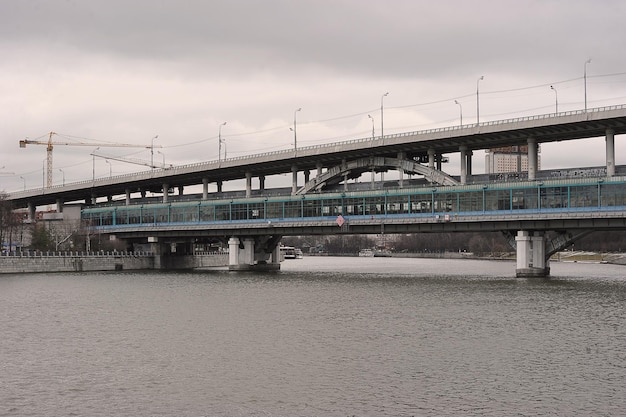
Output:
(126, 71)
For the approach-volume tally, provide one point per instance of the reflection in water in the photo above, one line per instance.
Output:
(323, 337)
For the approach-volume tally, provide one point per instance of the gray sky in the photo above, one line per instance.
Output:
(97, 71)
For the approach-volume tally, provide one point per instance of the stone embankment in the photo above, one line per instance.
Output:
(42, 262)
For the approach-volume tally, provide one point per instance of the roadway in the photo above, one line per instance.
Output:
(543, 129)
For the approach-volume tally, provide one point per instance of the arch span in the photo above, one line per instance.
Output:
(355, 168)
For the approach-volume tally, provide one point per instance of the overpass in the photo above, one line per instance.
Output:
(256, 220)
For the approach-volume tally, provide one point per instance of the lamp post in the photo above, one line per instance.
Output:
(152, 152)
(110, 167)
(382, 127)
(370, 116)
(460, 111)
(295, 136)
(585, 81)
(556, 99)
(219, 144)
(63, 173)
(23, 179)
(163, 155)
(93, 164)
(482, 77)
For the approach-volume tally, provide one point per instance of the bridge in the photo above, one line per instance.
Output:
(524, 206)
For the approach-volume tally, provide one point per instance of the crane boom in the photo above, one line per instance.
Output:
(50, 144)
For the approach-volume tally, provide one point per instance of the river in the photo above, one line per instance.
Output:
(325, 336)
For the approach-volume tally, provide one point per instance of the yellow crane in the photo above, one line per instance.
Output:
(50, 144)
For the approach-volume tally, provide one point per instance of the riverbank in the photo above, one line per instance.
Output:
(566, 256)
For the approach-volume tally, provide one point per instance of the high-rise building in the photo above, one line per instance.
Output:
(508, 159)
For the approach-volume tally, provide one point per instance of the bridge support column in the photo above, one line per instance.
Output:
(294, 180)
(252, 254)
(205, 188)
(531, 255)
(261, 182)
(127, 192)
(610, 152)
(248, 184)
(431, 158)
(59, 205)
(463, 150)
(219, 186)
(532, 159)
(166, 188)
(31, 212)
(401, 156)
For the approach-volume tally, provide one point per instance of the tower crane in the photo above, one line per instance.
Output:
(50, 144)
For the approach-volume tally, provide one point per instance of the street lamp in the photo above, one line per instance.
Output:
(460, 111)
(556, 99)
(295, 137)
(110, 167)
(93, 166)
(382, 128)
(163, 155)
(23, 179)
(63, 172)
(219, 146)
(152, 152)
(585, 81)
(370, 116)
(482, 77)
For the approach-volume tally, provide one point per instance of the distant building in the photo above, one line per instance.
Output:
(508, 159)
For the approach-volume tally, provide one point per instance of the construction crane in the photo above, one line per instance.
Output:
(50, 144)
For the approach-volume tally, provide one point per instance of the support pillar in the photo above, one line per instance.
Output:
(127, 192)
(294, 180)
(610, 152)
(205, 188)
(180, 190)
(532, 158)
(307, 176)
(319, 169)
(531, 255)
(262, 182)
(219, 186)
(166, 188)
(233, 252)
(431, 158)
(463, 150)
(401, 157)
(59, 205)
(31, 212)
(248, 184)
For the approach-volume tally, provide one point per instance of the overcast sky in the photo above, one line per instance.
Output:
(100, 71)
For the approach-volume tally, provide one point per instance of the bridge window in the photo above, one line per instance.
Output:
(374, 206)
(257, 211)
(354, 206)
(497, 200)
(420, 205)
(553, 197)
(274, 210)
(471, 201)
(293, 209)
(613, 195)
(332, 207)
(398, 204)
(147, 215)
(207, 213)
(222, 212)
(584, 196)
(524, 199)
(445, 202)
(312, 208)
(239, 211)
(161, 215)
